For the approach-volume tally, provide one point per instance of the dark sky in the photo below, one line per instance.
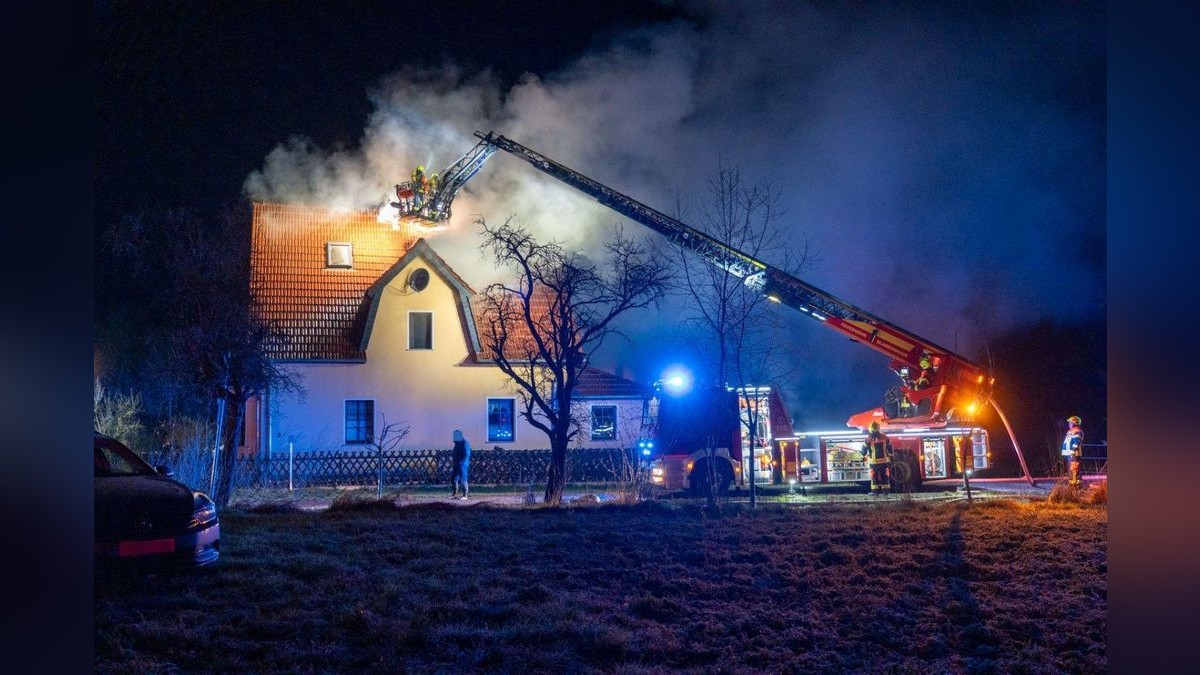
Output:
(192, 96)
(946, 160)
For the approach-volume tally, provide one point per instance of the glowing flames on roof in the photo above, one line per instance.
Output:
(390, 215)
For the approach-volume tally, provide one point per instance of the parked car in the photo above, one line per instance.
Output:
(143, 514)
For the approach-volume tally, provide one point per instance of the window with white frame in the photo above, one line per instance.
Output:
(501, 420)
(604, 422)
(420, 330)
(360, 422)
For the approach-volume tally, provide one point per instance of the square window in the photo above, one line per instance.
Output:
(360, 422)
(500, 420)
(604, 422)
(420, 330)
(339, 255)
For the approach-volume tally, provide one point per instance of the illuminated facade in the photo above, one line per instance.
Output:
(382, 332)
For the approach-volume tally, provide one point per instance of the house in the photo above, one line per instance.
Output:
(383, 333)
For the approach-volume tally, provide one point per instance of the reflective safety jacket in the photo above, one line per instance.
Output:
(1073, 442)
(878, 448)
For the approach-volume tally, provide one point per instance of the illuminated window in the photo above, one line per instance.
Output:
(420, 330)
(360, 422)
(339, 255)
(604, 422)
(500, 420)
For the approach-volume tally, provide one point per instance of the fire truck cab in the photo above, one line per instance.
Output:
(691, 440)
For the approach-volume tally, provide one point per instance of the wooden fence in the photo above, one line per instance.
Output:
(426, 467)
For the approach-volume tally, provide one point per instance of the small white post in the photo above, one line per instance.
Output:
(291, 460)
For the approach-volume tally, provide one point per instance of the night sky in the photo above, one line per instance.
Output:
(946, 160)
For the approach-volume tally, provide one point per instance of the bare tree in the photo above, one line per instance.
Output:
(559, 308)
(385, 440)
(735, 317)
(202, 327)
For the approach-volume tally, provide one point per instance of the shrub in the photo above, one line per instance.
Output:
(1064, 494)
(118, 416)
(352, 502)
(1099, 493)
(529, 498)
(187, 447)
(275, 506)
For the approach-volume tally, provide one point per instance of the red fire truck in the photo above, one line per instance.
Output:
(921, 454)
(938, 388)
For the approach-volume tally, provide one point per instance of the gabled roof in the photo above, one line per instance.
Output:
(329, 313)
(463, 293)
(323, 310)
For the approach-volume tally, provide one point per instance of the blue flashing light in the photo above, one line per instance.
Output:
(677, 380)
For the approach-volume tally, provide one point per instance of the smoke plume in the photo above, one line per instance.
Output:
(946, 162)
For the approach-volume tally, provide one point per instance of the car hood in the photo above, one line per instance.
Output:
(141, 506)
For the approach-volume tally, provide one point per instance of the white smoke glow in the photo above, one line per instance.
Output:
(945, 176)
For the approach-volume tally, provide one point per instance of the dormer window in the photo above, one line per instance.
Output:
(339, 255)
(418, 279)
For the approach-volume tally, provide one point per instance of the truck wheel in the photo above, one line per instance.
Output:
(698, 479)
(724, 478)
(906, 475)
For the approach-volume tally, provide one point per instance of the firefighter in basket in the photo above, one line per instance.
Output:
(420, 184)
(926, 364)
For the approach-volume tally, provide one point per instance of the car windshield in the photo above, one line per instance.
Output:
(112, 459)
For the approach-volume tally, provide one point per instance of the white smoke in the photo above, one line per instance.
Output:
(946, 176)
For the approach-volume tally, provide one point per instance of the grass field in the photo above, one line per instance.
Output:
(914, 587)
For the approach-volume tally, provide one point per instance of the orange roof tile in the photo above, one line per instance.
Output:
(323, 310)
(326, 311)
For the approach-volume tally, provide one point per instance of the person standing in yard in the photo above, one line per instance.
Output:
(460, 460)
(878, 451)
(1072, 450)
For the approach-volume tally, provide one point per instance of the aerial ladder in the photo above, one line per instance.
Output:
(936, 384)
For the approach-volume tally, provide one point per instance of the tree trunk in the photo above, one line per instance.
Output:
(557, 478)
(227, 454)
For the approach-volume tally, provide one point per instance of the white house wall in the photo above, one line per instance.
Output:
(430, 391)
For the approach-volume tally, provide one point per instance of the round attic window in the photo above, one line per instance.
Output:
(418, 279)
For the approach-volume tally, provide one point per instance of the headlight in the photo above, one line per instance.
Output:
(204, 511)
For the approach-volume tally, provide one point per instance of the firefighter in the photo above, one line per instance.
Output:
(1072, 450)
(878, 451)
(420, 185)
(926, 364)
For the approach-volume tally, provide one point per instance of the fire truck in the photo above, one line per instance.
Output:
(937, 387)
(719, 436)
(921, 453)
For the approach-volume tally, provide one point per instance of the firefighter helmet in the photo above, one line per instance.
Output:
(420, 168)
(926, 362)
(1074, 420)
(874, 427)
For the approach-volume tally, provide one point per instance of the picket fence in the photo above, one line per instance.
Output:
(426, 467)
